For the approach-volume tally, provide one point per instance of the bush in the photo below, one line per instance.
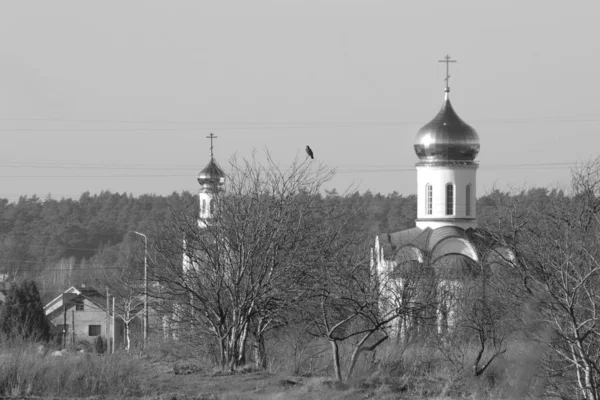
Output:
(23, 314)
(187, 367)
(100, 345)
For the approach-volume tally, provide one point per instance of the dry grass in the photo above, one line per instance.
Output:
(26, 371)
(171, 372)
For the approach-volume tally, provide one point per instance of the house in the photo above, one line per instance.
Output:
(80, 314)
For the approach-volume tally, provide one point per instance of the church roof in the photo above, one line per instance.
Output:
(445, 232)
(447, 138)
(423, 239)
(212, 173)
(447, 247)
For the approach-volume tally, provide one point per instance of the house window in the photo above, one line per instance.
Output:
(449, 199)
(94, 330)
(428, 199)
(468, 200)
(78, 304)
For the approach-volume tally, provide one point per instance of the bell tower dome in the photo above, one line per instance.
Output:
(211, 180)
(446, 172)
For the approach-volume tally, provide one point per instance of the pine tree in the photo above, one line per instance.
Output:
(23, 313)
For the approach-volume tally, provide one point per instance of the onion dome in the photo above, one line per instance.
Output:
(447, 137)
(212, 174)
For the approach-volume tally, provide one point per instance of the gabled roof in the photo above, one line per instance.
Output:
(73, 292)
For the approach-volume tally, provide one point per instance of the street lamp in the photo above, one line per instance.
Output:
(145, 284)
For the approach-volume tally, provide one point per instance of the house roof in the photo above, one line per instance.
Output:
(73, 292)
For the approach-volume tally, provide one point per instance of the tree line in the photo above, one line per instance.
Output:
(67, 241)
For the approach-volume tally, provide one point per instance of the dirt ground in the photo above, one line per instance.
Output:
(163, 383)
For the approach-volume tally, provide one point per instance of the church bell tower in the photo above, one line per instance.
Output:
(211, 180)
(446, 171)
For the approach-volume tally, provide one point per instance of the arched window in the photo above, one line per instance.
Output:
(203, 206)
(449, 199)
(428, 199)
(468, 200)
(210, 206)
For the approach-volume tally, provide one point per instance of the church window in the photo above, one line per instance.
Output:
(210, 206)
(449, 199)
(468, 200)
(203, 206)
(428, 199)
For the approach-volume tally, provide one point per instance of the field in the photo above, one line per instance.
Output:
(30, 371)
(25, 373)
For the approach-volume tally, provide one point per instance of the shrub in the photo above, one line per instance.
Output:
(187, 367)
(23, 314)
(100, 345)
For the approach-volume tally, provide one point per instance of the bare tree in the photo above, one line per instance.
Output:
(554, 248)
(126, 286)
(250, 263)
(353, 303)
(483, 323)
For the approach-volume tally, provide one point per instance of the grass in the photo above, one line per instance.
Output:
(170, 372)
(26, 371)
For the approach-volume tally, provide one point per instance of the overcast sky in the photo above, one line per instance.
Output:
(120, 95)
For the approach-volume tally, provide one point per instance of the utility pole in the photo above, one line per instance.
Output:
(106, 327)
(113, 326)
(145, 285)
(65, 326)
(73, 324)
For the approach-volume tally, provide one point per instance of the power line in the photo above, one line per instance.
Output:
(340, 169)
(291, 124)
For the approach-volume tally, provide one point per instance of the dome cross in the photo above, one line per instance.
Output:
(447, 60)
(211, 137)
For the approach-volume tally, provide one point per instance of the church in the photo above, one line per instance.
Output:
(443, 241)
(211, 180)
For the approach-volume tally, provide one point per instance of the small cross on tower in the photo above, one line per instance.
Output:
(447, 60)
(211, 137)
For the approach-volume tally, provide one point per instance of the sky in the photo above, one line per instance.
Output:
(120, 95)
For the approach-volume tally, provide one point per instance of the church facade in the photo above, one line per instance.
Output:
(442, 243)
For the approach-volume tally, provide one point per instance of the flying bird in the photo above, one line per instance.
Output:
(310, 152)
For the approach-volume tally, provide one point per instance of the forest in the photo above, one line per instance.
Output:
(62, 242)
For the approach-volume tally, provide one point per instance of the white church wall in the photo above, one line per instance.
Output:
(438, 177)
